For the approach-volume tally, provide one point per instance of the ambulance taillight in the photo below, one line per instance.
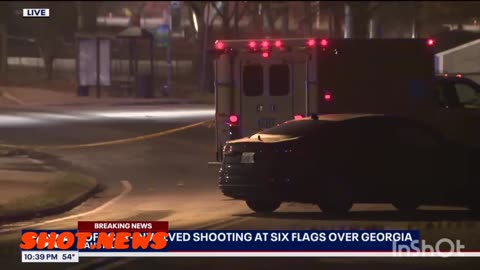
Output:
(327, 96)
(430, 42)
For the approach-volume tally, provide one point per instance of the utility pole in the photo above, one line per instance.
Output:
(3, 50)
(168, 86)
(414, 20)
(348, 21)
(205, 45)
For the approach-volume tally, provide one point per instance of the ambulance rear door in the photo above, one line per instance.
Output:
(266, 91)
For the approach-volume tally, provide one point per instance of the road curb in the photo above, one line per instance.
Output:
(58, 209)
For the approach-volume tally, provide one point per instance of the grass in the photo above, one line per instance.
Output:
(59, 192)
(31, 77)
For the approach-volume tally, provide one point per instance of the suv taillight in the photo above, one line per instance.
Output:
(227, 149)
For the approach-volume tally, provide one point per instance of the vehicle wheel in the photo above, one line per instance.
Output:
(406, 206)
(263, 206)
(337, 198)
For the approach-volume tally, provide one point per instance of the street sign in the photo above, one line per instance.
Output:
(161, 35)
(175, 4)
(175, 15)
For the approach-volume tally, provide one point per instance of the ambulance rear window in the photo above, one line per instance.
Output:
(279, 82)
(253, 80)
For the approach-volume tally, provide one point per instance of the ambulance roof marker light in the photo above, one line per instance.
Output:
(311, 42)
(459, 75)
(219, 45)
(265, 44)
(252, 44)
(298, 117)
(324, 42)
(430, 42)
(278, 43)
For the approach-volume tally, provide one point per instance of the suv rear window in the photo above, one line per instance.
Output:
(253, 80)
(296, 128)
(279, 80)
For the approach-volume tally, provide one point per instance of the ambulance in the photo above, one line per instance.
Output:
(261, 83)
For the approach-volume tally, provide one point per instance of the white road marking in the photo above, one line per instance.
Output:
(127, 188)
(12, 98)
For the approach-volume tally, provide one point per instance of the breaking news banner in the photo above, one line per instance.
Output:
(154, 239)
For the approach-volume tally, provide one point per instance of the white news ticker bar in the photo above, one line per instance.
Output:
(278, 254)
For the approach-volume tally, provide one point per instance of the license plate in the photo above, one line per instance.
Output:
(266, 123)
(248, 157)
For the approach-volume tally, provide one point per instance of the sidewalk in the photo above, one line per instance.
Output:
(35, 97)
(31, 188)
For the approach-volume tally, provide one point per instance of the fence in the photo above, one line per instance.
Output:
(180, 67)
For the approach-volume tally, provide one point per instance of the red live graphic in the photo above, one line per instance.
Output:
(107, 235)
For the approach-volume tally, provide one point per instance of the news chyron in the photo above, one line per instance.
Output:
(36, 12)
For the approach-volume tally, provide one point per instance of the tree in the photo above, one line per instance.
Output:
(50, 34)
(87, 15)
(307, 10)
(230, 15)
(203, 23)
(5, 13)
(434, 14)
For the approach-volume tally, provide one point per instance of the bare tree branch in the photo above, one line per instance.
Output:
(218, 11)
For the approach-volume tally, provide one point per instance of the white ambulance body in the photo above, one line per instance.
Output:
(262, 83)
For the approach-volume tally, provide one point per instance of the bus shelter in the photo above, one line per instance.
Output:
(141, 77)
(93, 53)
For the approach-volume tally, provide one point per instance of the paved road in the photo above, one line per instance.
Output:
(168, 179)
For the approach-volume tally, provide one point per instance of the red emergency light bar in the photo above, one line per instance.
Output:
(265, 46)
